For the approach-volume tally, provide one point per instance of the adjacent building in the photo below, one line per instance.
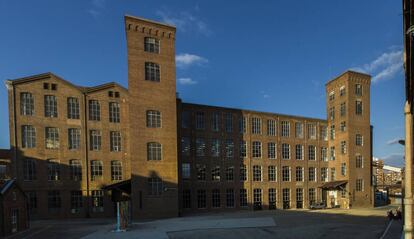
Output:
(70, 143)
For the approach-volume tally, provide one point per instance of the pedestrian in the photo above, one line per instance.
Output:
(398, 214)
(390, 215)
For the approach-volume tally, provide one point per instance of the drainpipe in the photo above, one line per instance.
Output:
(85, 104)
(408, 198)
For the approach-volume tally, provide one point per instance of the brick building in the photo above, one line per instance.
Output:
(69, 142)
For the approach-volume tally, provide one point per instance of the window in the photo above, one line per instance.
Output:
(333, 174)
(332, 132)
(332, 113)
(201, 198)
(342, 91)
(299, 130)
(299, 152)
(94, 110)
(257, 173)
(312, 174)
(324, 132)
(76, 199)
(229, 149)
(331, 95)
(187, 198)
(74, 138)
(272, 198)
(28, 136)
(114, 112)
(285, 151)
(116, 170)
(95, 139)
(359, 161)
(360, 185)
(343, 147)
(299, 174)
(110, 94)
(32, 200)
(97, 200)
(155, 186)
(215, 121)
(52, 138)
(271, 150)
(299, 198)
(53, 170)
(200, 120)
(153, 119)
(115, 141)
(256, 149)
(256, 126)
(96, 170)
(53, 199)
(257, 197)
(73, 108)
(200, 147)
(359, 140)
(51, 106)
(29, 169)
(286, 198)
(215, 198)
(215, 147)
(185, 119)
(332, 153)
(312, 196)
(243, 173)
(229, 197)
(312, 152)
(285, 173)
(152, 71)
(186, 170)
(343, 169)
(243, 149)
(54, 87)
(324, 155)
(242, 125)
(342, 126)
(358, 107)
(230, 173)
(26, 104)
(358, 89)
(154, 151)
(75, 170)
(271, 170)
(201, 172)
(343, 109)
(228, 120)
(311, 131)
(324, 174)
(151, 45)
(215, 173)
(285, 128)
(185, 146)
(243, 197)
(271, 127)
(45, 86)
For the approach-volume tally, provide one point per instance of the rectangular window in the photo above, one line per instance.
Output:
(359, 161)
(311, 152)
(299, 198)
(332, 132)
(299, 130)
(343, 109)
(359, 140)
(116, 170)
(154, 151)
(115, 141)
(324, 132)
(243, 197)
(312, 174)
(73, 138)
(286, 198)
(312, 196)
(215, 147)
(200, 147)
(75, 170)
(151, 45)
(243, 173)
(358, 107)
(153, 119)
(285, 173)
(114, 112)
(229, 147)
(257, 173)
(256, 125)
(243, 149)
(285, 128)
(95, 139)
(94, 110)
(96, 170)
(285, 151)
(155, 186)
(215, 121)
(299, 152)
(299, 174)
(342, 91)
(152, 71)
(51, 106)
(215, 173)
(271, 150)
(271, 127)
(332, 153)
(331, 95)
(32, 200)
(201, 172)
(228, 120)
(97, 200)
(200, 124)
(53, 170)
(26, 103)
(53, 199)
(324, 174)
(311, 131)
(342, 126)
(28, 136)
(230, 198)
(333, 174)
(271, 170)
(358, 89)
(186, 170)
(76, 200)
(256, 149)
(52, 138)
(242, 125)
(186, 198)
(332, 113)
(257, 197)
(185, 119)
(359, 185)
(324, 154)
(343, 169)
(215, 198)
(201, 198)
(185, 146)
(230, 173)
(73, 108)
(29, 169)
(272, 198)
(343, 147)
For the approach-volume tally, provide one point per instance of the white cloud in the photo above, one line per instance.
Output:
(185, 60)
(184, 21)
(394, 159)
(97, 7)
(187, 81)
(384, 67)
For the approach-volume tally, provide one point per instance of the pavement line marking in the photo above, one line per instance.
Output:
(386, 230)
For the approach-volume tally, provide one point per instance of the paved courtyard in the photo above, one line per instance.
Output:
(330, 223)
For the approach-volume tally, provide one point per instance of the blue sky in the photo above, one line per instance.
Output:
(271, 56)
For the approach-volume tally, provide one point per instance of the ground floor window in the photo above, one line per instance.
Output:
(75, 200)
(312, 196)
(215, 198)
(97, 200)
(272, 198)
(229, 197)
(53, 199)
(257, 198)
(155, 186)
(187, 199)
(14, 219)
(299, 198)
(201, 198)
(286, 198)
(243, 197)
